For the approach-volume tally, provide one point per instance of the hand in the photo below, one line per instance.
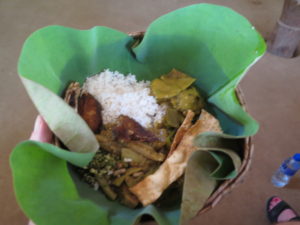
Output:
(42, 133)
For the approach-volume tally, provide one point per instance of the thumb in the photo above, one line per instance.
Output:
(41, 131)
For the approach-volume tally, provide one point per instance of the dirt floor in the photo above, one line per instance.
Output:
(271, 89)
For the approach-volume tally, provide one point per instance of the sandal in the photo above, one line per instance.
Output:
(274, 213)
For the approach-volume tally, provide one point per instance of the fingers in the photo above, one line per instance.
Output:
(41, 131)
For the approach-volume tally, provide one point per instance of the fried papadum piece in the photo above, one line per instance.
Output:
(187, 123)
(152, 186)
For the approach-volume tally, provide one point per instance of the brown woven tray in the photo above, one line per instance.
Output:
(246, 144)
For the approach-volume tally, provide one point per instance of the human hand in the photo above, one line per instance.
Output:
(42, 133)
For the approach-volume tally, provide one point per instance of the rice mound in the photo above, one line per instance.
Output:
(124, 95)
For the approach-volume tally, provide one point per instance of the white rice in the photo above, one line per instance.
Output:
(124, 95)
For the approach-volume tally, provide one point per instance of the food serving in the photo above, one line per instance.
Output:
(145, 131)
(211, 48)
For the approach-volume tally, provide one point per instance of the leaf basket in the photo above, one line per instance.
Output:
(217, 52)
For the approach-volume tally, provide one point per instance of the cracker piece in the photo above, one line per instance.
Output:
(186, 124)
(152, 186)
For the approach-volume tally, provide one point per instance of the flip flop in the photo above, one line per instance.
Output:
(274, 213)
